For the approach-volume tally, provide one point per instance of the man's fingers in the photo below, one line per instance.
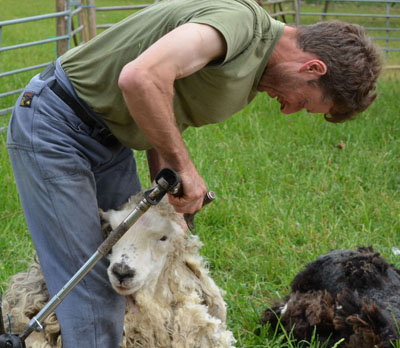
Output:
(183, 205)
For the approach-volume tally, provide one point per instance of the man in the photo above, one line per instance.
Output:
(139, 85)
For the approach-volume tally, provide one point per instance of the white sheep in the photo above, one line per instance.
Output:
(171, 299)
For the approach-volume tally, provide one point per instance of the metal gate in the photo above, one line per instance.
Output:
(66, 33)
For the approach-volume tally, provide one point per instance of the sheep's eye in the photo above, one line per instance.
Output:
(163, 238)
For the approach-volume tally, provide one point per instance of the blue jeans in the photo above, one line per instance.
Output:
(63, 176)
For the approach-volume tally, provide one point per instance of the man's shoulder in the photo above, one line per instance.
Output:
(240, 5)
(227, 5)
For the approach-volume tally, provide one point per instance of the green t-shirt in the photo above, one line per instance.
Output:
(210, 95)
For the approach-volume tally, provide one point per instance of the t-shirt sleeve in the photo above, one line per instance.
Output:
(236, 26)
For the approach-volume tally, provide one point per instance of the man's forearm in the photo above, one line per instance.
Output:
(150, 103)
(154, 162)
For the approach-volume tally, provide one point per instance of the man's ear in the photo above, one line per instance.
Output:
(314, 66)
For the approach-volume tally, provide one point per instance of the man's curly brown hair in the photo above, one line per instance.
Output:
(353, 62)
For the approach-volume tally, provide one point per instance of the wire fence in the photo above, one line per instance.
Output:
(380, 17)
(67, 37)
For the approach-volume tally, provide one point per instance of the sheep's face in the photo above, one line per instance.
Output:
(139, 256)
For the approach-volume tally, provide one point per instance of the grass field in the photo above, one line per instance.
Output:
(289, 188)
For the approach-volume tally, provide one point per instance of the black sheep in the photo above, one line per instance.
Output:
(347, 294)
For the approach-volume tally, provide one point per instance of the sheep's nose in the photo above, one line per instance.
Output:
(122, 272)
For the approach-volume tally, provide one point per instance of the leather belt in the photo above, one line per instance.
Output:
(99, 132)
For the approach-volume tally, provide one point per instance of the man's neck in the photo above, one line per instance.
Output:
(286, 49)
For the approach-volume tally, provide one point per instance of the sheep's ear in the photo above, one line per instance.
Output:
(114, 217)
(105, 224)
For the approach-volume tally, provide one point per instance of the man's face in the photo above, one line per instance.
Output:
(293, 92)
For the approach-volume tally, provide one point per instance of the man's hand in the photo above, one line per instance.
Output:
(194, 190)
(193, 186)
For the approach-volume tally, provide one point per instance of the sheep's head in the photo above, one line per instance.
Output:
(138, 258)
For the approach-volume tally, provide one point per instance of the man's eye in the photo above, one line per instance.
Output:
(163, 238)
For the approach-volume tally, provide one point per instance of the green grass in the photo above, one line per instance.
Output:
(286, 193)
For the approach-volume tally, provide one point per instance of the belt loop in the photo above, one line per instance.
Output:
(48, 71)
(105, 137)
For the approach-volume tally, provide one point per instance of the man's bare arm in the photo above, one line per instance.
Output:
(147, 84)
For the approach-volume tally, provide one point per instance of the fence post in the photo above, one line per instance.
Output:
(297, 13)
(92, 18)
(325, 10)
(61, 28)
(83, 20)
(298, 9)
